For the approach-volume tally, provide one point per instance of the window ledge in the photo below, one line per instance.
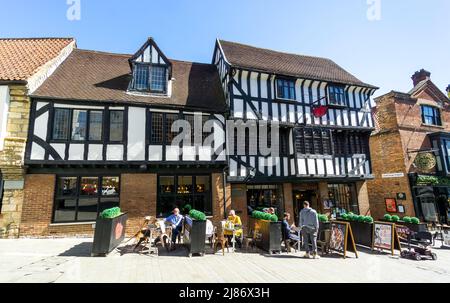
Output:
(71, 224)
(147, 94)
(433, 126)
(337, 106)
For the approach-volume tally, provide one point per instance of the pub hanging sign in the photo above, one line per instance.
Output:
(425, 161)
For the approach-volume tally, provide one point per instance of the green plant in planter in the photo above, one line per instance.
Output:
(368, 219)
(387, 217)
(395, 218)
(351, 216)
(197, 215)
(415, 220)
(345, 216)
(360, 218)
(264, 216)
(110, 213)
(323, 218)
(407, 219)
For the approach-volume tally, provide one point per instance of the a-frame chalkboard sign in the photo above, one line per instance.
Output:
(342, 240)
(385, 237)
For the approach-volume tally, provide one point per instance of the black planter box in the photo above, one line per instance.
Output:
(413, 227)
(194, 236)
(323, 226)
(362, 233)
(267, 235)
(109, 233)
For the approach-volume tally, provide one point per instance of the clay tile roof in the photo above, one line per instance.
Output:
(266, 60)
(20, 58)
(97, 76)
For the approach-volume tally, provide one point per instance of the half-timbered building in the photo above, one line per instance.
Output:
(103, 132)
(101, 136)
(324, 119)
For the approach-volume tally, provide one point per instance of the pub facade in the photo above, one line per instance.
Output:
(103, 127)
(323, 117)
(101, 134)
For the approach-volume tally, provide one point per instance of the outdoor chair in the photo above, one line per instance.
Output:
(137, 236)
(145, 235)
(290, 243)
(221, 239)
(212, 237)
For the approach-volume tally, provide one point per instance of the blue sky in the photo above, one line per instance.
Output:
(411, 34)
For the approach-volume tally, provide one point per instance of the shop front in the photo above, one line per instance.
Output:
(327, 198)
(69, 203)
(431, 196)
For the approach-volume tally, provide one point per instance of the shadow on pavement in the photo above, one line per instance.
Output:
(79, 250)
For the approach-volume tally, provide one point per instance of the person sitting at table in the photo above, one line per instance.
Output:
(288, 230)
(235, 222)
(175, 220)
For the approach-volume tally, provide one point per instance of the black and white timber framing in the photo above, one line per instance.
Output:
(251, 95)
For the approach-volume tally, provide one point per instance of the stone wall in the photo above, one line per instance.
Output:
(12, 159)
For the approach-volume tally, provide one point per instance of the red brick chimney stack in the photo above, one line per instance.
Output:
(420, 76)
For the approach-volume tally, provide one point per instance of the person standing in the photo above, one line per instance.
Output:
(309, 224)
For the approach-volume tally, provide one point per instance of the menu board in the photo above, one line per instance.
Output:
(337, 241)
(383, 236)
(402, 232)
(386, 236)
(342, 239)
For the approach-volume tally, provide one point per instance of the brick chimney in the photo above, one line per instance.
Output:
(420, 76)
(448, 91)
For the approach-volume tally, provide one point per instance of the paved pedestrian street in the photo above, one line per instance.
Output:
(69, 260)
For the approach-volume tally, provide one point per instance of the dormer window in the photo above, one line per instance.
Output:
(150, 78)
(151, 70)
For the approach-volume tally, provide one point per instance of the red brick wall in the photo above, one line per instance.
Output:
(401, 128)
(37, 205)
(138, 194)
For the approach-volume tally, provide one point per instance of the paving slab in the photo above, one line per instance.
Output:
(68, 260)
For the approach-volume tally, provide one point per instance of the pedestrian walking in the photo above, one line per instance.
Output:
(309, 224)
